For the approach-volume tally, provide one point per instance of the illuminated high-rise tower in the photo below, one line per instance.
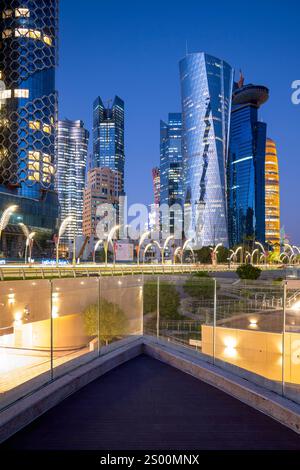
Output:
(206, 89)
(28, 110)
(171, 180)
(272, 195)
(246, 165)
(108, 136)
(72, 149)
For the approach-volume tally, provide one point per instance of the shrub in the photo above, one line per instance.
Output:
(248, 271)
(201, 274)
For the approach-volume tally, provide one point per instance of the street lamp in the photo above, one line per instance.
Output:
(240, 248)
(185, 247)
(5, 218)
(147, 247)
(142, 239)
(168, 239)
(29, 240)
(61, 231)
(215, 253)
(176, 253)
(282, 256)
(99, 242)
(29, 243)
(253, 253)
(108, 241)
(158, 246)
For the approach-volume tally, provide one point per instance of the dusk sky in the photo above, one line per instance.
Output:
(132, 49)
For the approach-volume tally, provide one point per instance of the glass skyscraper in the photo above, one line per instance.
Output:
(171, 182)
(72, 149)
(28, 110)
(246, 165)
(206, 90)
(108, 136)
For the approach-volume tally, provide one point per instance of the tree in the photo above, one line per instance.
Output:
(223, 254)
(248, 271)
(203, 255)
(169, 300)
(112, 321)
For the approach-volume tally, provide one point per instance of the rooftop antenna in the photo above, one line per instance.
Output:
(186, 47)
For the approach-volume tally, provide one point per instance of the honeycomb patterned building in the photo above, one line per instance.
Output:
(28, 110)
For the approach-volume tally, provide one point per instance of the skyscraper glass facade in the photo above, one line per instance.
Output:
(206, 89)
(108, 135)
(272, 195)
(246, 166)
(171, 182)
(72, 149)
(28, 109)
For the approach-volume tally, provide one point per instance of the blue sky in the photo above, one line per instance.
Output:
(132, 48)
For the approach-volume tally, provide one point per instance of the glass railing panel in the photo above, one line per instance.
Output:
(292, 341)
(186, 308)
(75, 322)
(25, 341)
(249, 330)
(120, 311)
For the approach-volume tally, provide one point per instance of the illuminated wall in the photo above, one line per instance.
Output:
(272, 194)
(255, 351)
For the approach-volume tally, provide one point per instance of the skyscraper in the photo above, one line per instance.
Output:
(272, 195)
(72, 149)
(154, 214)
(156, 184)
(246, 165)
(171, 182)
(108, 136)
(103, 187)
(28, 110)
(206, 89)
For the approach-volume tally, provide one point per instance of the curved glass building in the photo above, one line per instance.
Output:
(206, 89)
(28, 110)
(272, 195)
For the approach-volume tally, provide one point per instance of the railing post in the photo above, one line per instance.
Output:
(142, 306)
(99, 314)
(51, 331)
(157, 308)
(283, 334)
(214, 320)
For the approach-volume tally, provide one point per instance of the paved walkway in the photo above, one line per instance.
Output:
(145, 404)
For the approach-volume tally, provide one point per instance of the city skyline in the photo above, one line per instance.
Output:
(165, 51)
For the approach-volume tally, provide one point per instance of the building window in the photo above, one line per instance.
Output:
(4, 94)
(7, 14)
(47, 40)
(22, 12)
(35, 125)
(47, 128)
(6, 33)
(30, 33)
(34, 155)
(21, 93)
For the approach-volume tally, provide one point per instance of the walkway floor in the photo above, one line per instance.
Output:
(145, 404)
